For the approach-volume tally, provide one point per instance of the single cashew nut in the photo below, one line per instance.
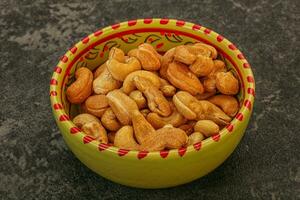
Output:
(129, 86)
(124, 139)
(119, 70)
(99, 70)
(96, 130)
(105, 83)
(206, 127)
(96, 105)
(188, 128)
(139, 99)
(156, 100)
(157, 121)
(181, 77)
(111, 137)
(110, 121)
(183, 55)
(167, 58)
(219, 66)
(197, 50)
(213, 51)
(209, 85)
(81, 89)
(182, 100)
(84, 118)
(202, 66)
(167, 89)
(195, 138)
(148, 57)
(133, 53)
(117, 54)
(226, 83)
(121, 105)
(228, 104)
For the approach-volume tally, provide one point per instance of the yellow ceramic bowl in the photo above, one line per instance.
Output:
(149, 169)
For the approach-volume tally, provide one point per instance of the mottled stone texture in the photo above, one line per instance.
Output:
(34, 160)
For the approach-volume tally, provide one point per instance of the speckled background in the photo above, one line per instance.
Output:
(34, 160)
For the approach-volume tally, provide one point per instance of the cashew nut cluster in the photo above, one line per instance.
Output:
(150, 102)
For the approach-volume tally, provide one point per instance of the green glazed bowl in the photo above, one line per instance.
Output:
(140, 168)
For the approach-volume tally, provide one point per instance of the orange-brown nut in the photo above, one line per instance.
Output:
(117, 54)
(110, 121)
(167, 58)
(209, 85)
(99, 70)
(228, 104)
(213, 51)
(105, 83)
(81, 89)
(195, 138)
(183, 55)
(119, 70)
(181, 77)
(202, 66)
(197, 50)
(139, 99)
(96, 130)
(96, 105)
(148, 57)
(205, 95)
(226, 83)
(133, 53)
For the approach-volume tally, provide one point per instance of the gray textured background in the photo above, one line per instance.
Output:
(36, 164)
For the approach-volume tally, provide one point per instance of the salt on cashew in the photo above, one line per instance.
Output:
(147, 55)
(120, 70)
(110, 121)
(96, 130)
(105, 83)
(167, 58)
(81, 89)
(181, 77)
(96, 105)
(195, 138)
(156, 100)
(227, 83)
(99, 70)
(139, 99)
(183, 55)
(129, 86)
(202, 66)
(228, 104)
(124, 139)
(206, 127)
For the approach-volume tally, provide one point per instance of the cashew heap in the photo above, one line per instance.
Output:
(146, 101)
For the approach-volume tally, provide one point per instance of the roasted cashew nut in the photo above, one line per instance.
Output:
(227, 83)
(228, 104)
(148, 57)
(203, 66)
(167, 58)
(206, 127)
(110, 121)
(96, 105)
(129, 86)
(167, 89)
(119, 70)
(81, 89)
(156, 100)
(183, 55)
(117, 54)
(213, 51)
(195, 138)
(95, 130)
(139, 99)
(84, 118)
(99, 70)
(105, 83)
(124, 139)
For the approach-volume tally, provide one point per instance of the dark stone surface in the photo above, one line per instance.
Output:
(34, 160)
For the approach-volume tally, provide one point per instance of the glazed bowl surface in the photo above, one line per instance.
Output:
(143, 169)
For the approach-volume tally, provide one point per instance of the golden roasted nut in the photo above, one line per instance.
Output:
(84, 118)
(195, 138)
(226, 83)
(183, 55)
(96, 130)
(124, 139)
(81, 89)
(209, 85)
(99, 70)
(167, 58)
(213, 51)
(206, 127)
(157, 121)
(228, 104)
(148, 57)
(133, 53)
(181, 77)
(129, 86)
(122, 105)
(197, 50)
(167, 89)
(96, 105)
(110, 121)
(117, 54)
(203, 66)
(156, 100)
(139, 99)
(105, 83)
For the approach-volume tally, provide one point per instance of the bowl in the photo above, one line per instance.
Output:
(144, 169)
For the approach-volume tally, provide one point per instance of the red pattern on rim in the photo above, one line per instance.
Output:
(102, 146)
(164, 21)
(57, 69)
(132, 22)
(180, 23)
(247, 104)
(216, 137)
(229, 127)
(164, 153)
(57, 106)
(87, 139)
(85, 40)
(232, 47)
(240, 56)
(53, 81)
(196, 27)
(122, 152)
(74, 130)
(53, 93)
(148, 21)
(207, 31)
(142, 154)
(239, 116)
(64, 59)
(250, 79)
(64, 117)
(159, 45)
(246, 65)
(115, 26)
(251, 91)
(197, 146)
(220, 38)
(181, 151)
(97, 33)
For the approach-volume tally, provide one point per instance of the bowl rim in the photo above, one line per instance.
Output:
(247, 85)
